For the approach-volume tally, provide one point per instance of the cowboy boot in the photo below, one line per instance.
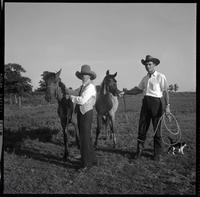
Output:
(140, 147)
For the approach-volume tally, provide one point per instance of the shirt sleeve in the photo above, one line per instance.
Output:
(141, 85)
(85, 96)
(163, 83)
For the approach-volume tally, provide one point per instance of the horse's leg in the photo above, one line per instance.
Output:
(105, 125)
(77, 134)
(99, 123)
(64, 124)
(107, 131)
(110, 127)
(113, 129)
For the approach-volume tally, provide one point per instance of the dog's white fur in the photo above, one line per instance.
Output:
(180, 149)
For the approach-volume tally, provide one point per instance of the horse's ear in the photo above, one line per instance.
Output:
(107, 72)
(115, 74)
(58, 73)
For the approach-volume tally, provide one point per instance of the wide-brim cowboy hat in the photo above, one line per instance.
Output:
(86, 70)
(150, 58)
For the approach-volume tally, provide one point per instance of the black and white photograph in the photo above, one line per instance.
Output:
(99, 98)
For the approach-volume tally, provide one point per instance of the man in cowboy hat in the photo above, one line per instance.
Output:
(154, 86)
(84, 108)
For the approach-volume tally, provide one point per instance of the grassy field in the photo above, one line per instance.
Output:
(34, 149)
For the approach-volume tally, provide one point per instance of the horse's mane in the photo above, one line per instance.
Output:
(103, 88)
(63, 88)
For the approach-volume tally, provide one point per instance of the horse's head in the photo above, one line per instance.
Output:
(52, 82)
(110, 84)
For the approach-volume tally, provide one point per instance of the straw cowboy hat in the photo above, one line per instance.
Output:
(86, 70)
(150, 58)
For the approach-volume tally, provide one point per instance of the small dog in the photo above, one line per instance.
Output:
(178, 146)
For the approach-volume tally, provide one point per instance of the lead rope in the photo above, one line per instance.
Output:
(162, 120)
(125, 111)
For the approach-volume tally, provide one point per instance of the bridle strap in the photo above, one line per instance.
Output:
(58, 93)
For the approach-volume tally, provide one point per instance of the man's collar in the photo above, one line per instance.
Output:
(87, 83)
(154, 74)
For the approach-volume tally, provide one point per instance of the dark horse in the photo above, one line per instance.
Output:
(106, 105)
(56, 89)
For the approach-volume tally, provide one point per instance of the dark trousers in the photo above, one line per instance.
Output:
(151, 110)
(88, 156)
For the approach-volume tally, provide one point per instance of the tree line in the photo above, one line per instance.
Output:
(17, 86)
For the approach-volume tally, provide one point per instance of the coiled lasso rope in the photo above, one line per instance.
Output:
(162, 120)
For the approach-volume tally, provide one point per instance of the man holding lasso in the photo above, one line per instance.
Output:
(154, 86)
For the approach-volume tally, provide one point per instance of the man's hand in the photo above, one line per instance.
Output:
(123, 92)
(167, 109)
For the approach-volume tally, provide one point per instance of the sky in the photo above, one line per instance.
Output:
(107, 36)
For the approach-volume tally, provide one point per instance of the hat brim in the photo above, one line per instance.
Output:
(155, 60)
(91, 74)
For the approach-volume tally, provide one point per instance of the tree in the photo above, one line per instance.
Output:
(171, 88)
(42, 85)
(16, 84)
(176, 87)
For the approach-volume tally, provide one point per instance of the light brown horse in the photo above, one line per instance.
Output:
(106, 106)
(56, 89)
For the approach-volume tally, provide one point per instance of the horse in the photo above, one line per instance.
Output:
(106, 106)
(55, 88)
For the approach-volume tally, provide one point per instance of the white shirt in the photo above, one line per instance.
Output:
(154, 85)
(87, 98)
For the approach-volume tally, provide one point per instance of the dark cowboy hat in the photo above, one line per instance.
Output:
(150, 58)
(86, 70)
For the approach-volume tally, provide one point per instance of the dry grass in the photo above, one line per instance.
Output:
(34, 148)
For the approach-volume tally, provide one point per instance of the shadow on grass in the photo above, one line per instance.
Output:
(13, 142)
(49, 158)
(127, 153)
(42, 134)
